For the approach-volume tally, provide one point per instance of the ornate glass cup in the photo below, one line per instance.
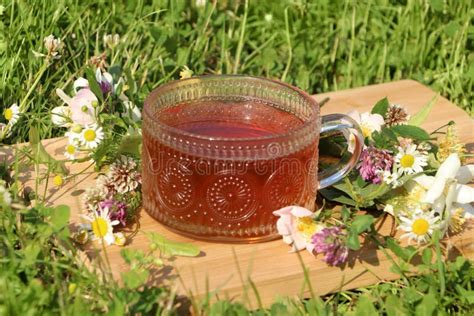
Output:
(221, 153)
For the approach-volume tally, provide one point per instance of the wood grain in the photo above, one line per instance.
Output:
(227, 269)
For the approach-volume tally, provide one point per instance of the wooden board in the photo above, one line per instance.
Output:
(226, 268)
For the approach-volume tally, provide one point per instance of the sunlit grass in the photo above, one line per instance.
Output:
(317, 45)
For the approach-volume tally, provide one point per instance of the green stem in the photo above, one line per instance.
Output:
(290, 50)
(33, 86)
(241, 39)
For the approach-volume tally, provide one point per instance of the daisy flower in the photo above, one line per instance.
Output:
(390, 178)
(120, 239)
(74, 135)
(12, 114)
(91, 136)
(409, 160)
(419, 227)
(70, 152)
(101, 225)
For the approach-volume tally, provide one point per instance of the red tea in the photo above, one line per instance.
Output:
(230, 198)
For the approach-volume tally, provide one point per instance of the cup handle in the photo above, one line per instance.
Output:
(351, 131)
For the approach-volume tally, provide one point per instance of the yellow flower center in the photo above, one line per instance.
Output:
(70, 149)
(8, 114)
(89, 135)
(58, 180)
(420, 226)
(407, 161)
(100, 227)
(366, 131)
(306, 226)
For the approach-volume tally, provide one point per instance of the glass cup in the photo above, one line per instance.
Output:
(221, 153)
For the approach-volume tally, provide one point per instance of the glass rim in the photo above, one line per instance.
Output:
(313, 119)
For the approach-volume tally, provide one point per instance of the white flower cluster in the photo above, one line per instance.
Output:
(81, 114)
(435, 202)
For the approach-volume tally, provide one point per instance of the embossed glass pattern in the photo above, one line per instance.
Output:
(221, 153)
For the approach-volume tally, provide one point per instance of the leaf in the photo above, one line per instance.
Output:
(31, 252)
(60, 216)
(393, 245)
(410, 131)
(134, 278)
(172, 248)
(93, 85)
(361, 223)
(337, 196)
(394, 306)
(346, 213)
(116, 72)
(381, 107)
(353, 241)
(427, 306)
(365, 307)
(420, 117)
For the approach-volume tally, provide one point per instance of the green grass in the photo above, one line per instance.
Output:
(317, 45)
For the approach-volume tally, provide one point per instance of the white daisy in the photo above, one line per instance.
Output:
(120, 239)
(74, 135)
(12, 114)
(70, 151)
(409, 160)
(391, 178)
(101, 225)
(91, 136)
(419, 227)
(61, 116)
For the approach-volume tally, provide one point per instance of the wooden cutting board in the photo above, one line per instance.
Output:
(226, 269)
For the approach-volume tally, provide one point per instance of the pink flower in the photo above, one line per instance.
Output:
(330, 241)
(296, 225)
(82, 106)
(368, 122)
(373, 162)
